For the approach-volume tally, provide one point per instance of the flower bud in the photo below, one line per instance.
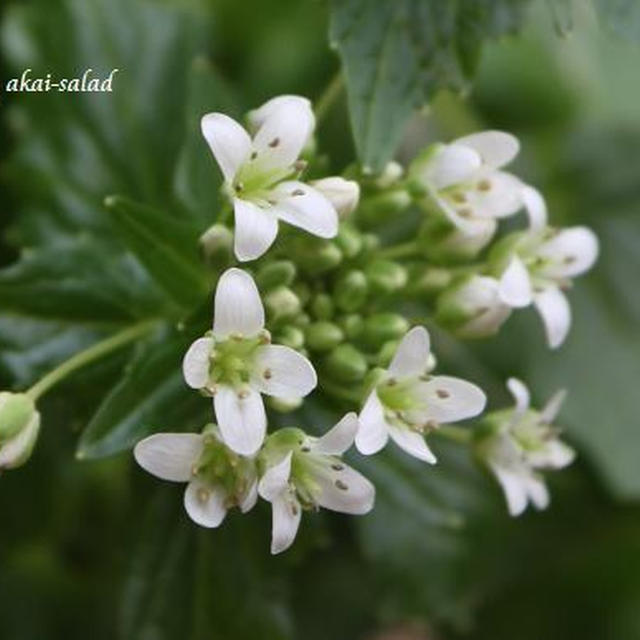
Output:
(382, 327)
(386, 277)
(443, 242)
(343, 194)
(282, 303)
(472, 308)
(351, 290)
(216, 245)
(347, 364)
(323, 336)
(384, 206)
(386, 353)
(349, 240)
(19, 427)
(352, 325)
(391, 173)
(322, 306)
(317, 256)
(276, 274)
(290, 336)
(428, 280)
(284, 405)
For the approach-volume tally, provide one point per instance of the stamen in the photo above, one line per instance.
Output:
(442, 393)
(459, 197)
(337, 467)
(305, 449)
(254, 155)
(267, 374)
(294, 509)
(274, 143)
(203, 495)
(484, 185)
(239, 187)
(392, 382)
(243, 395)
(194, 470)
(569, 259)
(341, 485)
(297, 192)
(465, 212)
(300, 165)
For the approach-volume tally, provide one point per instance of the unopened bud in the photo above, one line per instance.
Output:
(282, 303)
(19, 427)
(343, 194)
(351, 290)
(323, 336)
(382, 327)
(276, 274)
(383, 206)
(284, 405)
(386, 277)
(290, 336)
(472, 308)
(347, 364)
(352, 325)
(428, 280)
(391, 173)
(317, 256)
(386, 353)
(215, 245)
(322, 306)
(349, 240)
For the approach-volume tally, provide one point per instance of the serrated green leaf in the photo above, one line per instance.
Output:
(151, 396)
(167, 247)
(395, 55)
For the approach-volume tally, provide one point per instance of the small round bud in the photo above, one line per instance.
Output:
(386, 277)
(323, 336)
(351, 290)
(316, 257)
(343, 194)
(443, 242)
(19, 428)
(284, 405)
(384, 206)
(386, 353)
(322, 306)
(347, 364)
(382, 327)
(290, 336)
(276, 274)
(349, 240)
(216, 245)
(282, 303)
(352, 325)
(391, 174)
(428, 280)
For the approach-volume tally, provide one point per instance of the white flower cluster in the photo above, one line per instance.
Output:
(465, 191)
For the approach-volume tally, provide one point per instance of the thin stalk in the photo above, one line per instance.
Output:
(329, 96)
(92, 353)
(402, 250)
(462, 435)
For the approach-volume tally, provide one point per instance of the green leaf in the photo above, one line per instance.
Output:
(395, 55)
(151, 396)
(620, 16)
(167, 247)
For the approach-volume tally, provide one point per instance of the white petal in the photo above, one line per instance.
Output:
(552, 408)
(515, 284)
(452, 164)
(520, 395)
(553, 307)
(344, 195)
(169, 456)
(496, 148)
(451, 399)
(554, 455)
(538, 492)
(308, 209)
(229, 142)
(571, 252)
(412, 442)
(514, 488)
(283, 134)
(502, 196)
(286, 514)
(283, 372)
(275, 479)
(339, 438)
(504, 459)
(250, 499)
(255, 229)
(373, 432)
(536, 208)
(238, 308)
(257, 117)
(242, 420)
(195, 365)
(345, 490)
(412, 354)
(205, 503)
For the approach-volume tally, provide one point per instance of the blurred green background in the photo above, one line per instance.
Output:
(98, 549)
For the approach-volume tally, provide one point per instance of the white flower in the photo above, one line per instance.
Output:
(260, 174)
(217, 477)
(407, 402)
(235, 363)
(540, 263)
(522, 443)
(343, 194)
(465, 180)
(19, 429)
(473, 307)
(306, 473)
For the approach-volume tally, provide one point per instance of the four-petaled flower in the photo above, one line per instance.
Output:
(535, 267)
(521, 443)
(260, 174)
(217, 477)
(303, 472)
(407, 402)
(236, 363)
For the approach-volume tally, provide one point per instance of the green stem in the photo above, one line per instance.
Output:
(402, 250)
(90, 354)
(462, 435)
(329, 96)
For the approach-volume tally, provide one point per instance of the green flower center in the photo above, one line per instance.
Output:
(232, 361)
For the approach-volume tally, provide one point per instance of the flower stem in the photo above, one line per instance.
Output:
(462, 435)
(94, 352)
(329, 96)
(402, 250)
